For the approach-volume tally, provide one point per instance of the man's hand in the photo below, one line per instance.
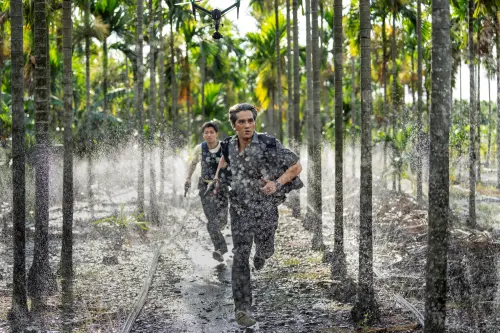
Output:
(269, 188)
(213, 188)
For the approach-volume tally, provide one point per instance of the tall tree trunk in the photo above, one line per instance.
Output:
(384, 78)
(40, 277)
(309, 218)
(437, 246)
(105, 85)
(163, 120)
(338, 269)
(203, 64)
(419, 105)
(279, 131)
(139, 91)
(90, 176)
(19, 299)
(497, 41)
(487, 164)
(472, 118)
(478, 106)
(67, 228)
(354, 115)
(153, 204)
(173, 82)
(317, 241)
(295, 196)
(127, 90)
(289, 112)
(394, 104)
(365, 307)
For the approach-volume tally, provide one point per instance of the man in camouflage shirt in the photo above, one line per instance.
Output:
(255, 161)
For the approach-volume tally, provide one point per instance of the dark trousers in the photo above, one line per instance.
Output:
(248, 225)
(215, 208)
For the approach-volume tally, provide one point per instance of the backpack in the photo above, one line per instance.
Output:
(270, 156)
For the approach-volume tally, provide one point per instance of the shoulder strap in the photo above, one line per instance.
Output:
(224, 146)
(269, 140)
(204, 147)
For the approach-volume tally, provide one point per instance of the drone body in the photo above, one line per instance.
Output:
(215, 14)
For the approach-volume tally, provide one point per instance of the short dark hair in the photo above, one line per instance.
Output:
(241, 107)
(209, 124)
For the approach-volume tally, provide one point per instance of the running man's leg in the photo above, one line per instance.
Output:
(212, 210)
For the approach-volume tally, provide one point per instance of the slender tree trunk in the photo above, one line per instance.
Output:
(419, 105)
(163, 120)
(384, 78)
(127, 88)
(105, 84)
(203, 65)
(309, 218)
(478, 154)
(338, 269)
(90, 176)
(19, 305)
(139, 88)
(41, 279)
(437, 245)
(460, 80)
(153, 205)
(365, 307)
(295, 196)
(487, 164)
(394, 104)
(497, 24)
(67, 229)
(173, 83)
(354, 115)
(289, 76)
(472, 118)
(279, 131)
(317, 241)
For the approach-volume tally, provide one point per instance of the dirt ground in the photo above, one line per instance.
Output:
(191, 292)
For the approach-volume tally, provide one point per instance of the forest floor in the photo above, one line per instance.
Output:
(191, 292)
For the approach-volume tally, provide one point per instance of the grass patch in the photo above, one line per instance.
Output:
(291, 262)
(488, 190)
(309, 276)
(316, 259)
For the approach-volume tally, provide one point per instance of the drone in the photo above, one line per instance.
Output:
(215, 14)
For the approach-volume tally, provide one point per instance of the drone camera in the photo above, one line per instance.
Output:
(217, 35)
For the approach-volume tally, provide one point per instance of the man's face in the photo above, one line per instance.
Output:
(209, 135)
(244, 125)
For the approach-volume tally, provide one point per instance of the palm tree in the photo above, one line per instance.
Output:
(139, 90)
(315, 160)
(67, 232)
(309, 218)
(295, 198)
(419, 102)
(19, 299)
(471, 220)
(289, 74)
(365, 307)
(162, 104)
(279, 115)
(437, 246)
(339, 269)
(153, 204)
(40, 277)
(90, 177)
(115, 18)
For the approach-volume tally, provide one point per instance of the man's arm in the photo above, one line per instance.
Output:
(290, 173)
(192, 165)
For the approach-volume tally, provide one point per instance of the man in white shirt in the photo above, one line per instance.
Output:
(215, 207)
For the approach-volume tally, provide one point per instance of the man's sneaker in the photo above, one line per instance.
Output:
(217, 254)
(245, 319)
(258, 263)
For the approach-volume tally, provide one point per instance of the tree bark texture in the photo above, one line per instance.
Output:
(139, 91)
(419, 102)
(472, 118)
(153, 204)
